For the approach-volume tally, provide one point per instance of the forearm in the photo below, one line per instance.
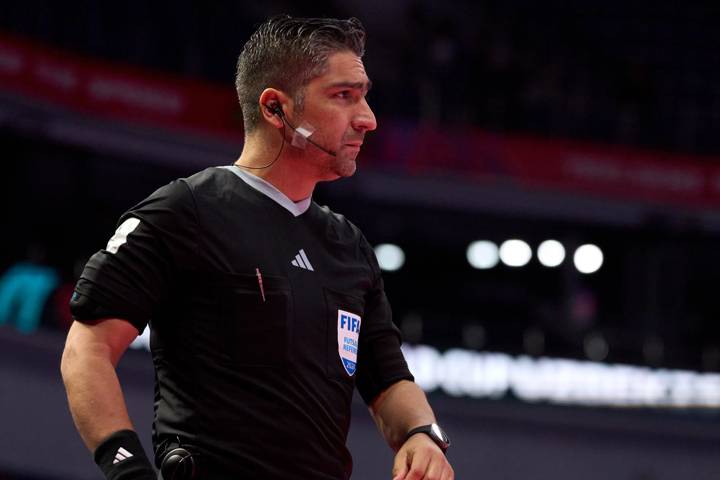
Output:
(94, 394)
(399, 409)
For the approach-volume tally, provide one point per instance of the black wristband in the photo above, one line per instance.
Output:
(121, 457)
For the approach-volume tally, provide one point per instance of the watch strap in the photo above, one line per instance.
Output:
(441, 442)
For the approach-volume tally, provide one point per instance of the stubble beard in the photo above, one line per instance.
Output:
(344, 165)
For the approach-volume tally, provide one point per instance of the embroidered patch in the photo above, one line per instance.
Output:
(121, 234)
(348, 328)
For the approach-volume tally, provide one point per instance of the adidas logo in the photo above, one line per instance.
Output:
(302, 261)
(121, 455)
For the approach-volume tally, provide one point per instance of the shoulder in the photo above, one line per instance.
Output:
(176, 200)
(217, 184)
(182, 192)
(210, 179)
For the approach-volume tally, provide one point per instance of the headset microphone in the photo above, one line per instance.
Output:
(276, 109)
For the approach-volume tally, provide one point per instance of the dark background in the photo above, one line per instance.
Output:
(632, 76)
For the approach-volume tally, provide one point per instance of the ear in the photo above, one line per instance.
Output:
(272, 97)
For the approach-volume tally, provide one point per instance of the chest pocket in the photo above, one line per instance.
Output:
(344, 317)
(255, 329)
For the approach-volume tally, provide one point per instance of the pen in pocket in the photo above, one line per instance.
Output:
(260, 284)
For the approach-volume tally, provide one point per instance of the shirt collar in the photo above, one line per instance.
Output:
(269, 190)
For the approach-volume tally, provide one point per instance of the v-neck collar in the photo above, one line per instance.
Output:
(270, 191)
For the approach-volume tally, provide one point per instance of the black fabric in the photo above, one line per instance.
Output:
(256, 384)
(136, 279)
(121, 457)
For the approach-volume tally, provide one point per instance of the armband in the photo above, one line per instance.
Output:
(121, 457)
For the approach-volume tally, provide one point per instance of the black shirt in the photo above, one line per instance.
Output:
(262, 323)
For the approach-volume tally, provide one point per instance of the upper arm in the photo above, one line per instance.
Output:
(381, 363)
(136, 272)
(108, 338)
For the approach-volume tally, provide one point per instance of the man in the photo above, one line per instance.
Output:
(266, 310)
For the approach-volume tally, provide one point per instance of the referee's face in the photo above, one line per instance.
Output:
(335, 103)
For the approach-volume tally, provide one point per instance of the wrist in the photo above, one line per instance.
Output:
(435, 433)
(121, 457)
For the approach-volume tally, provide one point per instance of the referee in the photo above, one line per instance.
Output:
(266, 310)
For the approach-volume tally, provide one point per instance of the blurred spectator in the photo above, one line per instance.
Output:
(24, 290)
(60, 315)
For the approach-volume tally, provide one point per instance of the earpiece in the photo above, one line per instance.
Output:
(276, 109)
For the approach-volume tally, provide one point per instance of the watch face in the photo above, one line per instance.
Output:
(437, 431)
(439, 434)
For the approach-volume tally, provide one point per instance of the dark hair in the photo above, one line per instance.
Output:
(286, 53)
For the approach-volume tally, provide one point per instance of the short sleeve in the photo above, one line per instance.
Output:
(380, 361)
(131, 277)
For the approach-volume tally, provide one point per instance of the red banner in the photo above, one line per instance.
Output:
(129, 94)
(120, 92)
(582, 167)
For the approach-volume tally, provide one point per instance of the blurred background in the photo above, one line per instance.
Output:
(543, 192)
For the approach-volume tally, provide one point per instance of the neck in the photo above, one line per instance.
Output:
(288, 173)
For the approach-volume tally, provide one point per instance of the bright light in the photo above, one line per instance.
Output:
(551, 253)
(482, 254)
(588, 258)
(460, 372)
(390, 257)
(515, 253)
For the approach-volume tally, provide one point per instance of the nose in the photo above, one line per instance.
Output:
(364, 120)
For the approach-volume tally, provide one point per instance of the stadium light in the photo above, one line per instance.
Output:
(551, 253)
(482, 254)
(390, 257)
(588, 258)
(515, 253)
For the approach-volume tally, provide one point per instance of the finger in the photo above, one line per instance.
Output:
(435, 469)
(448, 473)
(400, 465)
(418, 467)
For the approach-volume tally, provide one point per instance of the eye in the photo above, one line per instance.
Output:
(344, 94)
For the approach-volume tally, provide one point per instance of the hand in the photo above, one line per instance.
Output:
(421, 459)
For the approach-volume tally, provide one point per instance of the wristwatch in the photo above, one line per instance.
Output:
(434, 432)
